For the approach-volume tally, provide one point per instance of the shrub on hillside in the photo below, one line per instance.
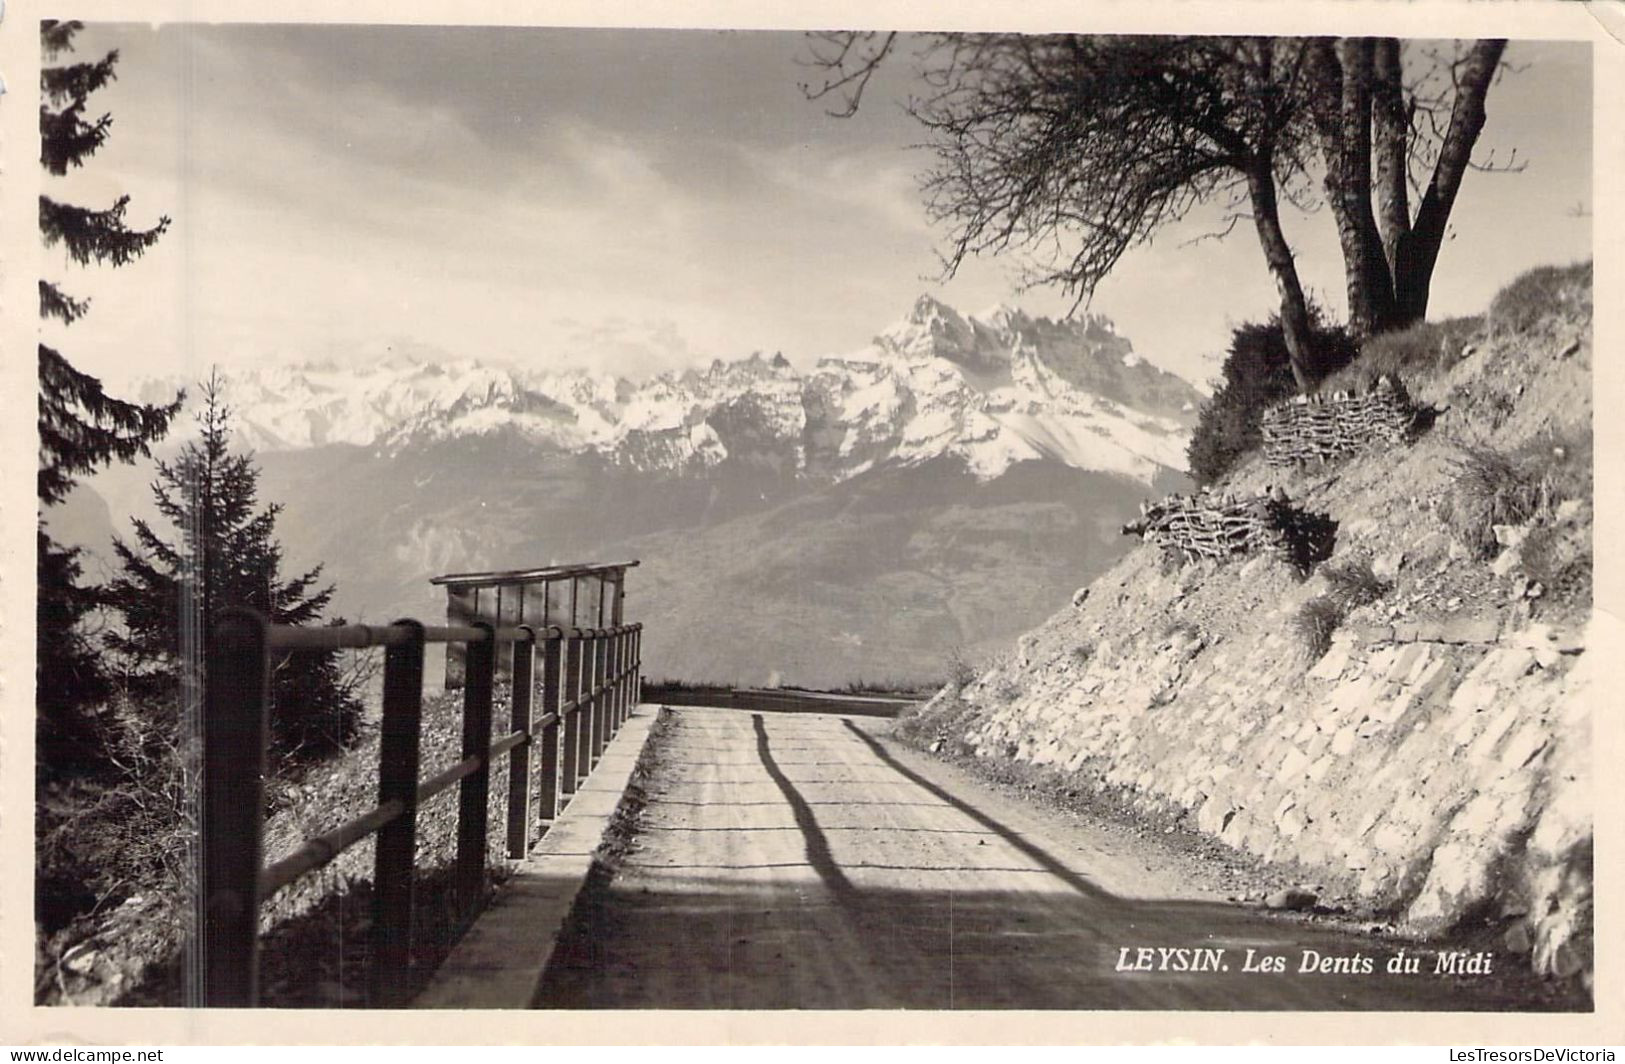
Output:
(1537, 293)
(1407, 354)
(1315, 622)
(1489, 489)
(1354, 583)
(961, 673)
(1256, 373)
(1559, 560)
(128, 832)
(1493, 487)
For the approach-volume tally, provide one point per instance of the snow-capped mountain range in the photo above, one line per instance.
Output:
(992, 389)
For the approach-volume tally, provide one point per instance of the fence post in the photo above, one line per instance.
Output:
(524, 664)
(462, 606)
(623, 661)
(552, 702)
(632, 673)
(604, 666)
(600, 655)
(509, 612)
(612, 677)
(236, 690)
(631, 665)
(616, 681)
(584, 705)
(571, 746)
(475, 790)
(398, 743)
(637, 665)
(606, 710)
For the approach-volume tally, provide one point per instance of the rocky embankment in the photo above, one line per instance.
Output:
(1406, 720)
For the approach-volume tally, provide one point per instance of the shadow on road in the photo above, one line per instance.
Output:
(769, 891)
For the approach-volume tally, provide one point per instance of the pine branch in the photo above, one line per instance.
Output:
(67, 139)
(56, 36)
(55, 303)
(71, 445)
(78, 80)
(96, 236)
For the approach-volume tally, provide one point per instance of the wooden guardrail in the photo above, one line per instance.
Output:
(583, 594)
(589, 680)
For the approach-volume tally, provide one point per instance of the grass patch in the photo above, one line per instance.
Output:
(1315, 622)
(1536, 294)
(1560, 562)
(1354, 583)
(1490, 488)
(1410, 354)
(939, 726)
(1493, 487)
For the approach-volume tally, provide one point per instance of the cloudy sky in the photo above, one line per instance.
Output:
(633, 200)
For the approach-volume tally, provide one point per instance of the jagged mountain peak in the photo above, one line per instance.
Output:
(931, 329)
(993, 389)
(1001, 317)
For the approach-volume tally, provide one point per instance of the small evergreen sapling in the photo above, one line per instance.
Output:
(224, 554)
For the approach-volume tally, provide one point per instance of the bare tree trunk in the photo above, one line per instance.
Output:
(1278, 256)
(1390, 127)
(1418, 251)
(1341, 108)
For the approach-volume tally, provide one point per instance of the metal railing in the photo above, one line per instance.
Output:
(589, 680)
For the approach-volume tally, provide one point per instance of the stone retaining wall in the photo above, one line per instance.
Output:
(1433, 768)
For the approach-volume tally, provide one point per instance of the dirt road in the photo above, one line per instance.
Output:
(807, 861)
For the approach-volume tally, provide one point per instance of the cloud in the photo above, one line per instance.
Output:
(337, 185)
(878, 185)
(636, 349)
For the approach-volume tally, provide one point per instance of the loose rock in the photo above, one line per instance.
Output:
(1291, 899)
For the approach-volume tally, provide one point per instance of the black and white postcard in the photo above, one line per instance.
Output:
(560, 525)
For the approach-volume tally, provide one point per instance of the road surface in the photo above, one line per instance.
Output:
(809, 861)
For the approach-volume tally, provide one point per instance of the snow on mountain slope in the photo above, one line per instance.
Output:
(1002, 387)
(993, 389)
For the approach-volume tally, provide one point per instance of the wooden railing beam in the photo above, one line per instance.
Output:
(588, 684)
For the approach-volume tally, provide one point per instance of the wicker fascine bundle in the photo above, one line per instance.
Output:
(1322, 427)
(1213, 526)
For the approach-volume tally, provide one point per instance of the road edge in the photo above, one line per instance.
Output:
(498, 963)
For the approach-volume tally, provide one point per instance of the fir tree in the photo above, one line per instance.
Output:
(81, 428)
(224, 554)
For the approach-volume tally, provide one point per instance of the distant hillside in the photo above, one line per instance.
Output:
(942, 488)
(884, 578)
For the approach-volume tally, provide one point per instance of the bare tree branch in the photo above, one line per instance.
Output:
(849, 58)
